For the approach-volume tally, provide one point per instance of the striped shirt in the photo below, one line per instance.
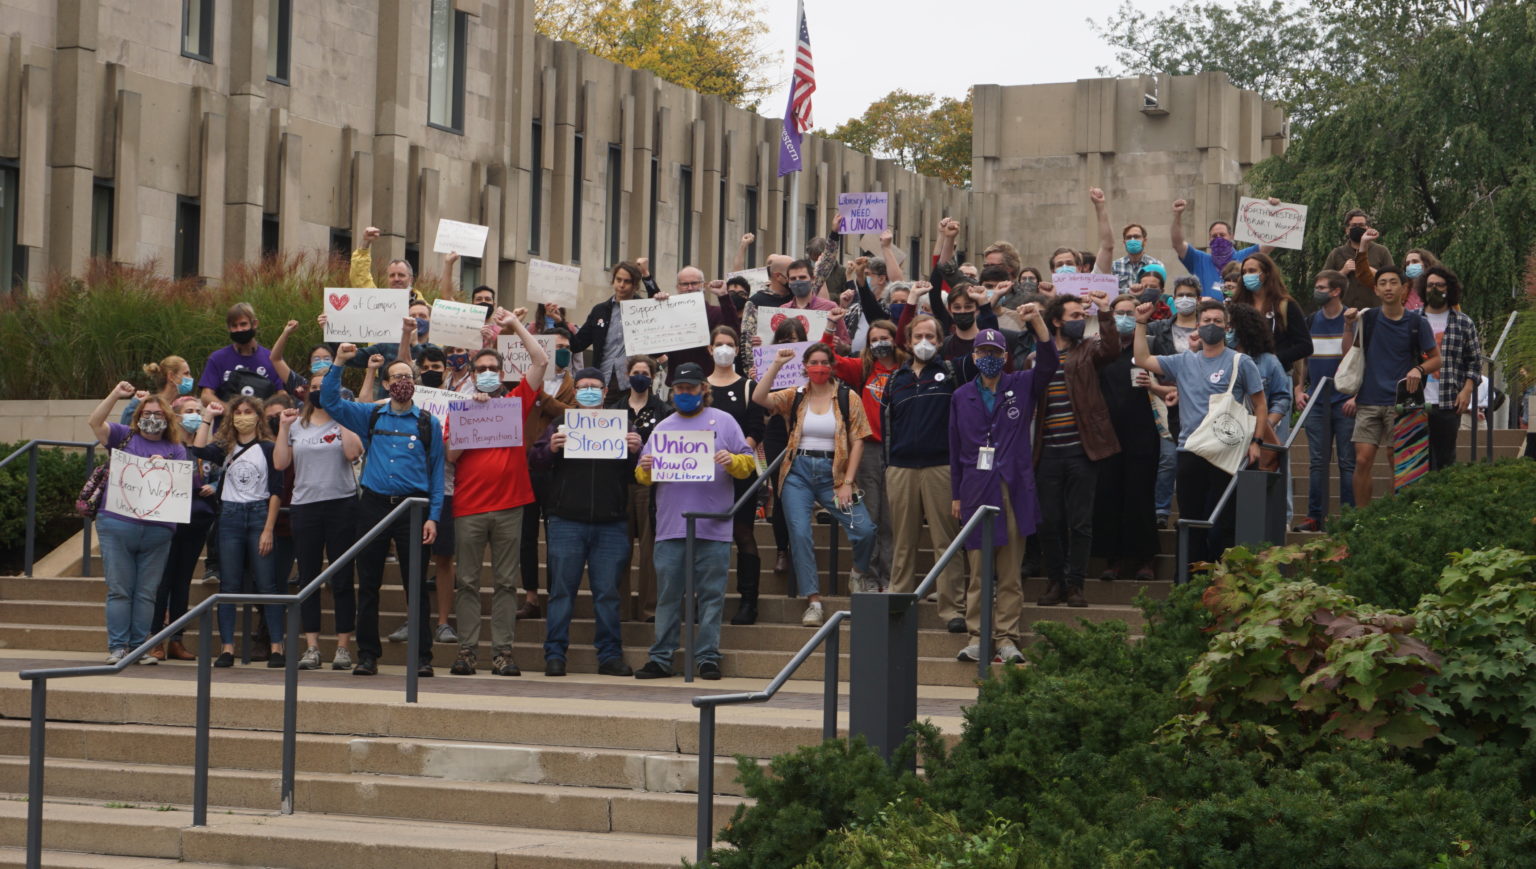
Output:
(1060, 423)
(1327, 350)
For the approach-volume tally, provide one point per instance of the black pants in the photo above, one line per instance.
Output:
(371, 508)
(1124, 512)
(532, 513)
(1444, 426)
(749, 566)
(1200, 485)
(775, 441)
(176, 581)
(325, 529)
(1067, 483)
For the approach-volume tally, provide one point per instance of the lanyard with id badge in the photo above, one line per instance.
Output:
(985, 456)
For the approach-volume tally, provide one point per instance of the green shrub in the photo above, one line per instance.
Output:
(1398, 545)
(60, 474)
(909, 833)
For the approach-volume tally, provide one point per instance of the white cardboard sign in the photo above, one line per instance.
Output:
(596, 434)
(464, 239)
(514, 356)
(553, 283)
(435, 401)
(457, 324)
(863, 212)
(363, 317)
(158, 490)
(682, 456)
(1080, 285)
(653, 327)
(1282, 225)
(479, 425)
(757, 279)
(768, 319)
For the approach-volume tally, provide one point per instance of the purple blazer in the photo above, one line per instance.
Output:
(1008, 430)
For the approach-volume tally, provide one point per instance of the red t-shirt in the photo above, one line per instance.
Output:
(850, 370)
(497, 478)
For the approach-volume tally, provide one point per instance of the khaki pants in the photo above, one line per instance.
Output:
(642, 530)
(1008, 609)
(502, 530)
(915, 494)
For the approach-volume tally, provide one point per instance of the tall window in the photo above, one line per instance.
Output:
(269, 234)
(725, 186)
(471, 271)
(12, 259)
(684, 216)
(445, 80)
(914, 265)
(536, 191)
(615, 203)
(749, 223)
(197, 29)
(189, 219)
(341, 241)
(810, 229)
(655, 197)
(578, 169)
(101, 218)
(279, 39)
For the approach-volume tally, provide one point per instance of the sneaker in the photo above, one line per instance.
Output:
(148, 660)
(310, 660)
(425, 671)
(971, 653)
(210, 577)
(614, 667)
(709, 670)
(1110, 574)
(1164, 521)
(1146, 574)
(1008, 653)
(464, 664)
(225, 659)
(1308, 525)
(445, 634)
(554, 667)
(343, 659)
(956, 625)
(276, 661)
(366, 666)
(504, 665)
(813, 616)
(116, 655)
(652, 670)
(401, 634)
(857, 582)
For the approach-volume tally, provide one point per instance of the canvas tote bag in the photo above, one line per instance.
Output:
(1222, 438)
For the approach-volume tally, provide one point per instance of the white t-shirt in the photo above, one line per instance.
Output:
(818, 431)
(245, 478)
(1437, 323)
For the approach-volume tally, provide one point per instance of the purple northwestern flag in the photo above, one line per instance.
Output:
(797, 111)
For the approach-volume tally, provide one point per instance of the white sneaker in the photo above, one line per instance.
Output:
(1008, 653)
(116, 655)
(857, 582)
(971, 653)
(813, 616)
(148, 660)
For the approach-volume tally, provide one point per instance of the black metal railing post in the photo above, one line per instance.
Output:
(832, 554)
(988, 588)
(414, 568)
(290, 703)
(31, 505)
(705, 834)
(829, 680)
(36, 751)
(200, 737)
(688, 634)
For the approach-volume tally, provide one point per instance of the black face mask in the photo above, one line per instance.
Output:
(1212, 334)
(1150, 295)
(274, 422)
(433, 379)
(1072, 330)
(1356, 233)
(964, 320)
(244, 336)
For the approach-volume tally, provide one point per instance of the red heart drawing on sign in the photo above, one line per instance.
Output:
(330, 437)
(778, 320)
(339, 301)
(136, 502)
(1282, 222)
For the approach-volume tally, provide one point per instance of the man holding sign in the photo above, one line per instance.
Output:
(589, 454)
(690, 458)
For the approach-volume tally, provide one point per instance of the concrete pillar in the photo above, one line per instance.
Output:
(215, 145)
(125, 190)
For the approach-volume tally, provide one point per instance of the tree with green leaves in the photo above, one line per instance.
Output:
(925, 133)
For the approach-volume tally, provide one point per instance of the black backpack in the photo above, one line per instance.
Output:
(842, 405)
(423, 428)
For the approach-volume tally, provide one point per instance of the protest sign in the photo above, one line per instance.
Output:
(870, 243)
(553, 283)
(435, 401)
(653, 327)
(792, 373)
(158, 490)
(682, 456)
(364, 317)
(757, 280)
(1080, 284)
(596, 434)
(457, 324)
(514, 356)
(862, 212)
(464, 239)
(769, 319)
(478, 425)
(1280, 225)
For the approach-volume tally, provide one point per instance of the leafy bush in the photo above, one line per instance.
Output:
(1398, 545)
(911, 834)
(60, 474)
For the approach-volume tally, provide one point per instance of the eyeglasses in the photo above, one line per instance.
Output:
(685, 285)
(400, 378)
(152, 414)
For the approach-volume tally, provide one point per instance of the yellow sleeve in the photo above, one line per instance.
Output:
(742, 465)
(361, 274)
(642, 476)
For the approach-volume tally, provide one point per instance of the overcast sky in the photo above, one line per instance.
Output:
(863, 51)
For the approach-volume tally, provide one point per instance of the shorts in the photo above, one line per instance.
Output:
(443, 545)
(1373, 424)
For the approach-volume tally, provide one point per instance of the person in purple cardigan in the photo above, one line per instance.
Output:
(991, 462)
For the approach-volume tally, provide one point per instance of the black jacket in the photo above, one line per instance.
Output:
(582, 490)
(594, 332)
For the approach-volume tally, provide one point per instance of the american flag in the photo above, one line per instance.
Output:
(797, 113)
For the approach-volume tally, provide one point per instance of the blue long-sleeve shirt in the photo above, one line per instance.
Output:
(396, 465)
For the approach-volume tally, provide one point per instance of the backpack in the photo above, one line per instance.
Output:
(423, 428)
(842, 405)
(88, 502)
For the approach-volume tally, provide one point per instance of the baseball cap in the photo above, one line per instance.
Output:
(688, 372)
(990, 338)
(588, 373)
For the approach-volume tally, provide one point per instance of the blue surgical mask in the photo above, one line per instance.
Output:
(589, 396)
(1413, 270)
(191, 422)
(319, 366)
(1133, 246)
(687, 402)
(1252, 281)
(1066, 269)
(989, 366)
(1231, 338)
(487, 381)
(422, 325)
(184, 385)
(1125, 324)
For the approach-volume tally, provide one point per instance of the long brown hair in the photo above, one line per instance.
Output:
(898, 355)
(172, 431)
(1272, 295)
(225, 439)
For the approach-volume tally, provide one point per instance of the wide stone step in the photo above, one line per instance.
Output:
(16, 858)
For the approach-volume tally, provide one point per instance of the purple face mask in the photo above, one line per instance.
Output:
(1221, 251)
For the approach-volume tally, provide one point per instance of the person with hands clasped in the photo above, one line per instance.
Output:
(991, 462)
(405, 459)
(827, 432)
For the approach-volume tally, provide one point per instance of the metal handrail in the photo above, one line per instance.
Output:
(690, 628)
(203, 612)
(983, 515)
(706, 704)
(30, 448)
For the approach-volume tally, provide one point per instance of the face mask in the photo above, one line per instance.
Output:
(245, 424)
(1133, 246)
(589, 396)
(320, 366)
(1435, 298)
(1185, 304)
(1125, 324)
(1413, 270)
(687, 402)
(562, 357)
(1227, 290)
(924, 350)
(457, 361)
(1356, 233)
(313, 399)
(818, 373)
(964, 320)
(434, 379)
(1252, 281)
(489, 309)
(1029, 285)
(487, 381)
(1212, 334)
(724, 355)
(801, 289)
(1072, 330)
(184, 386)
(1066, 269)
(1231, 338)
(1149, 295)
(1221, 251)
(896, 309)
(274, 422)
(640, 382)
(402, 390)
(244, 336)
(1322, 296)
(989, 366)
(191, 422)
(423, 325)
(882, 349)
(152, 425)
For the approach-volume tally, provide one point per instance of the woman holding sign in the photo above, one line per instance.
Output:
(133, 550)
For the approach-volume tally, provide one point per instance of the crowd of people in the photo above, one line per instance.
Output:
(1084, 417)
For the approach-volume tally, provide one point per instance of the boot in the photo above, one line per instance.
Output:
(178, 652)
(749, 568)
(781, 566)
(1054, 594)
(1075, 597)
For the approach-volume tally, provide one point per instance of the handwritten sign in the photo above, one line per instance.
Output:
(553, 283)
(480, 425)
(1079, 284)
(158, 490)
(457, 324)
(1280, 225)
(792, 373)
(870, 244)
(464, 239)
(769, 319)
(682, 456)
(862, 212)
(514, 356)
(757, 279)
(363, 317)
(435, 401)
(652, 327)
(596, 434)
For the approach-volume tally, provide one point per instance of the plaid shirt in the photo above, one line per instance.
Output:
(1461, 357)
(1126, 270)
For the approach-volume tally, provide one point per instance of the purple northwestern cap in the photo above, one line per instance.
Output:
(990, 338)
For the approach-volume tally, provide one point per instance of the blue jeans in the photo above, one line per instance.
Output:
(1329, 429)
(1167, 473)
(240, 527)
(133, 558)
(809, 482)
(711, 563)
(603, 549)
